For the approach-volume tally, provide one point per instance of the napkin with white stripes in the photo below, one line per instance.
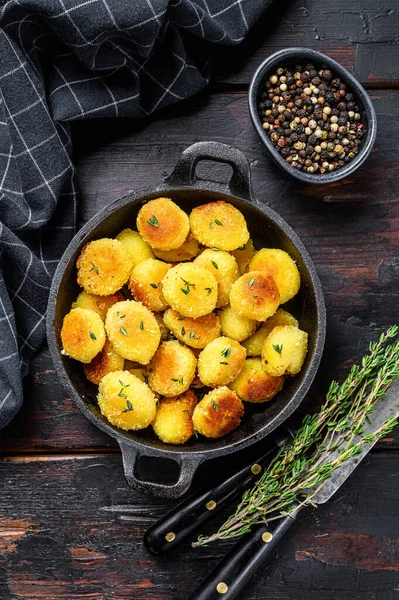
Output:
(62, 60)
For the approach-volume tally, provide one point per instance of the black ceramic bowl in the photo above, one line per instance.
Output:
(267, 229)
(291, 56)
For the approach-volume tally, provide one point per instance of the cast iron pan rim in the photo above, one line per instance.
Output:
(175, 452)
(289, 54)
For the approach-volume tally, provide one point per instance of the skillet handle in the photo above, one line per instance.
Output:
(187, 469)
(184, 171)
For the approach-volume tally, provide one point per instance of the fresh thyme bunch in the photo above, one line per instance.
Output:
(321, 445)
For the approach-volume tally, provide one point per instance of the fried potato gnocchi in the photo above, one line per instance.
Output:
(82, 334)
(284, 350)
(105, 362)
(145, 283)
(224, 267)
(133, 331)
(100, 304)
(103, 266)
(219, 225)
(244, 255)
(173, 422)
(163, 224)
(189, 250)
(172, 369)
(254, 344)
(190, 289)
(235, 327)
(196, 333)
(138, 248)
(279, 265)
(125, 401)
(218, 413)
(220, 362)
(255, 296)
(253, 384)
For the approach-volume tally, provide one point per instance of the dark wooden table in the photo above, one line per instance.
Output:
(69, 525)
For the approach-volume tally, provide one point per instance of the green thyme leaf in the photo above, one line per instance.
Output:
(181, 318)
(188, 411)
(278, 348)
(93, 268)
(226, 352)
(215, 405)
(141, 325)
(185, 290)
(251, 282)
(178, 380)
(209, 290)
(215, 264)
(183, 331)
(218, 222)
(153, 285)
(123, 330)
(153, 221)
(223, 363)
(93, 337)
(129, 407)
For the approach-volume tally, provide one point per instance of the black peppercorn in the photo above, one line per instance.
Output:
(312, 73)
(342, 121)
(326, 75)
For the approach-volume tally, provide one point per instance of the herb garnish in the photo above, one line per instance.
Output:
(218, 222)
(278, 348)
(188, 411)
(93, 337)
(209, 290)
(153, 285)
(141, 325)
(178, 380)
(129, 407)
(226, 352)
(215, 264)
(121, 391)
(215, 405)
(181, 318)
(153, 221)
(183, 331)
(223, 362)
(123, 330)
(251, 282)
(186, 290)
(93, 268)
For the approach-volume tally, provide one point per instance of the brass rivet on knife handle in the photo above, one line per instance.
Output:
(211, 505)
(222, 588)
(267, 537)
(169, 537)
(256, 469)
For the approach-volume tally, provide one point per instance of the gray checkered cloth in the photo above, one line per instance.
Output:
(62, 60)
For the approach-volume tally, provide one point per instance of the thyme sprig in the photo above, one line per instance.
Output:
(324, 441)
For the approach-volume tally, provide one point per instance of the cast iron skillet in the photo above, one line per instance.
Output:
(267, 228)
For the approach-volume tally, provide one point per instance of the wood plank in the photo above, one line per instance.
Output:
(70, 528)
(351, 229)
(364, 39)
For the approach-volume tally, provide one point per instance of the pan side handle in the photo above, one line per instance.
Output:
(184, 171)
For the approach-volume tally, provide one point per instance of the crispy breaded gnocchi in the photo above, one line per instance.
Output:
(104, 266)
(218, 413)
(244, 255)
(254, 344)
(190, 289)
(235, 327)
(253, 384)
(100, 304)
(224, 267)
(284, 350)
(145, 283)
(220, 362)
(82, 334)
(173, 422)
(255, 296)
(125, 401)
(138, 248)
(196, 333)
(172, 369)
(133, 331)
(163, 224)
(219, 225)
(188, 250)
(281, 267)
(103, 363)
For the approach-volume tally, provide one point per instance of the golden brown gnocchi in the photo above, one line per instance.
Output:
(100, 304)
(236, 327)
(219, 225)
(82, 334)
(244, 255)
(163, 224)
(255, 296)
(145, 283)
(279, 265)
(224, 267)
(173, 421)
(254, 344)
(191, 290)
(284, 350)
(172, 369)
(125, 401)
(196, 333)
(104, 266)
(138, 248)
(253, 384)
(220, 362)
(188, 250)
(133, 331)
(103, 363)
(218, 413)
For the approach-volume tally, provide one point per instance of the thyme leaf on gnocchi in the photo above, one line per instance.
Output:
(129, 407)
(141, 325)
(215, 405)
(215, 264)
(93, 337)
(278, 348)
(123, 330)
(209, 290)
(226, 352)
(93, 268)
(121, 393)
(178, 380)
(154, 285)
(153, 221)
(251, 282)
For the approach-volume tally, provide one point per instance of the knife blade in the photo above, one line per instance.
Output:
(232, 574)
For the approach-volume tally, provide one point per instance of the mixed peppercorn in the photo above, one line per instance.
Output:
(311, 118)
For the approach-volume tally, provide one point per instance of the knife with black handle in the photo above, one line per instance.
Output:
(185, 520)
(230, 578)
